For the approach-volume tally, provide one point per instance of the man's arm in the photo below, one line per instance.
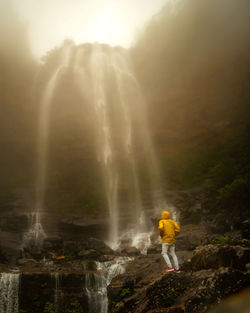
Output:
(177, 229)
(161, 228)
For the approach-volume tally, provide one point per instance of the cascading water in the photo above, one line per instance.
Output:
(116, 96)
(9, 288)
(36, 232)
(108, 86)
(96, 284)
(44, 126)
(57, 292)
(96, 289)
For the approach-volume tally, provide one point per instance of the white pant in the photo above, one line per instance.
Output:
(171, 248)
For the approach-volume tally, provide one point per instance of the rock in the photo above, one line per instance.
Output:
(27, 261)
(191, 235)
(98, 245)
(215, 256)
(89, 254)
(132, 251)
(145, 288)
(154, 249)
(234, 304)
(72, 248)
(220, 284)
(53, 243)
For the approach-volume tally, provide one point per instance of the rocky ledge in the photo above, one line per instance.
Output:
(211, 274)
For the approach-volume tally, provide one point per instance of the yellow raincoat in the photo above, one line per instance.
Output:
(168, 229)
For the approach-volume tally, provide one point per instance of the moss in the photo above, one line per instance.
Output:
(125, 292)
(49, 307)
(74, 307)
(220, 241)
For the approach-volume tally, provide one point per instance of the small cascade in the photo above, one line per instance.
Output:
(9, 289)
(96, 288)
(35, 234)
(113, 268)
(96, 284)
(57, 292)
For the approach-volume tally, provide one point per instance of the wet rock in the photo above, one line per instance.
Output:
(191, 235)
(154, 249)
(89, 254)
(98, 245)
(131, 251)
(215, 256)
(53, 243)
(46, 292)
(223, 282)
(27, 261)
(234, 304)
(146, 288)
(72, 248)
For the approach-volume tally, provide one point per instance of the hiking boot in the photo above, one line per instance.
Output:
(177, 271)
(169, 269)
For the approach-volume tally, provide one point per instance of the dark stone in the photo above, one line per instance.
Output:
(38, 292)
(72, 248)
(89, 254)
(215, 256)
(98, 245)
(223, 282)
(132, 251)
(53, 243)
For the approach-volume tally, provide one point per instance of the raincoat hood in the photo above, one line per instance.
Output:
(165, 215)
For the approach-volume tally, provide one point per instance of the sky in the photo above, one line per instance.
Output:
(116, 22)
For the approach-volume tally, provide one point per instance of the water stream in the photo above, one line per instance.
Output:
(96, 283)
(9, 288)
(106, 80)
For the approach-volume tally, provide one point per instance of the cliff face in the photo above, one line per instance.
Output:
(17, 123)
(193, 65)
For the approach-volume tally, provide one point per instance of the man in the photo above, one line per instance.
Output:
(168, 230)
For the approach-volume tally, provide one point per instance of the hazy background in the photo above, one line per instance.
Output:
(191, 58)
(50, 22)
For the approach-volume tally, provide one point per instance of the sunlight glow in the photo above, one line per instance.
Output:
(107, 27)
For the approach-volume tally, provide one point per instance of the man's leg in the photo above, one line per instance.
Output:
(173, 255)
(165, 254)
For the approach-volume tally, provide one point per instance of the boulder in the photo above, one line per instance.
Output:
(216, 256)
(53, 243)
(89, 254)
(131, 251)
(72, 248)
(98, 245)
(191, 235)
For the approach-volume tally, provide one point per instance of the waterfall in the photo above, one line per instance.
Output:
(112, 96)
(44, 126)
(9, 289)
(35, 234)
(121, 124)
(96, 289)
(96, 284)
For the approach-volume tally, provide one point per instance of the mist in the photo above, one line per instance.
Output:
(112, 112)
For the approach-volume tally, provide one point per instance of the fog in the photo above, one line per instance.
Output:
(190, 59)
(109, 21)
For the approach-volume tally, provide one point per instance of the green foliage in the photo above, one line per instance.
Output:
(49, 308)
(125, 292)
(223, 173)
(220, 241)
(74, 307)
